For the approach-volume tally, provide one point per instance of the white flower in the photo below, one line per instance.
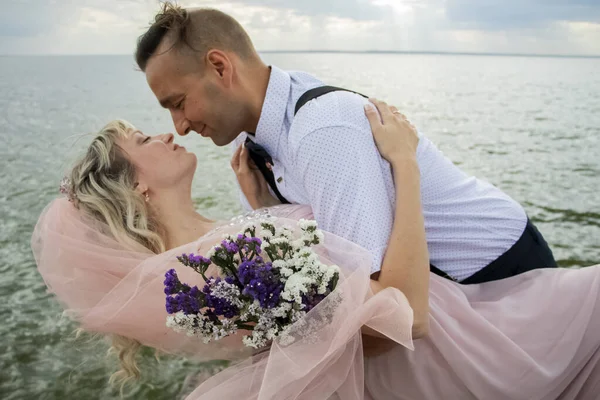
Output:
(281, 310)
(313, 258)
(227, 328)
(251, 310)
(304, 252)
(296, 285)
(265, 234)
(296, 318)
(248, 341)
(297, 244)
(327, 277)
(266, 225)
(226, 291)
(286, 233)
(280, 264)
(307, 224)
(256, 340)
(171, 323)
(279, 240)
(210, 253)
(286, 339)
(272, 333)
(320, 236)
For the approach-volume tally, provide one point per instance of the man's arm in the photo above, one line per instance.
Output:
(349, 186)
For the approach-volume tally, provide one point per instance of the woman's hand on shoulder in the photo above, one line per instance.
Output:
(395, 137)
(251, 181)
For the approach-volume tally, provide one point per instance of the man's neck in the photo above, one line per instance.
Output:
(258, 82)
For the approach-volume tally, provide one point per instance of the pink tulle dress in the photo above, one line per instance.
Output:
(532, 336)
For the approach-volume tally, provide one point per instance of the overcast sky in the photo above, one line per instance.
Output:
(500, 26)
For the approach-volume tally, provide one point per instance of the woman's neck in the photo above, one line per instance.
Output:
(180, 222)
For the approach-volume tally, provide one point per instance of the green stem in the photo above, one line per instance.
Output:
(231, 268)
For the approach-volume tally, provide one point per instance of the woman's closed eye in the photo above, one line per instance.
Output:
(147, 139)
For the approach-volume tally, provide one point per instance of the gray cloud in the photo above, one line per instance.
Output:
(359, 10)
(518, 14)
(28, 18)
(105, 26)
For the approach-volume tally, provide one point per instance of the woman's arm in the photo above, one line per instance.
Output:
(406, 262)
(252, 183)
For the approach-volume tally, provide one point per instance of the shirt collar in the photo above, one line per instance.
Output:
(272, 115)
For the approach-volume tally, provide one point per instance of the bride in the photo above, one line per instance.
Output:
(104, 250)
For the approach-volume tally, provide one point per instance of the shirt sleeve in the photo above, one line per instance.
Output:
(349, 186)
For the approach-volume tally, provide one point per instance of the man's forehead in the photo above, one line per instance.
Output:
(160, 78)
(159, 67)
(164, 72)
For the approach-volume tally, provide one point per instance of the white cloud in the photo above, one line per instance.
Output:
(520, 26)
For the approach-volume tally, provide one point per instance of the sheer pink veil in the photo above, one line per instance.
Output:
(109, 288)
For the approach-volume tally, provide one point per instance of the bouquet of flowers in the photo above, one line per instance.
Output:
(269, 279)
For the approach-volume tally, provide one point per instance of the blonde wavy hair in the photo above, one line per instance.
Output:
(103, 184)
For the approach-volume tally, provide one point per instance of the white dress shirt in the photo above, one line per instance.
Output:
(325, 157)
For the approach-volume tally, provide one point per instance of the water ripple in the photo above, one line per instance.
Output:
(532, 127)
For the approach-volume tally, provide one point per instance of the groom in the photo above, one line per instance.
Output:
(315, 147)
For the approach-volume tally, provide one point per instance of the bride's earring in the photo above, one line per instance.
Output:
(147, 197)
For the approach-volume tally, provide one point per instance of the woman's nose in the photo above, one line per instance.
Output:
(168, 137)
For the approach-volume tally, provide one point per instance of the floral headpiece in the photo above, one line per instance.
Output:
(66, 188)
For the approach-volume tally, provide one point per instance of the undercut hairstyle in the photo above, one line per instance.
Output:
(199, 30)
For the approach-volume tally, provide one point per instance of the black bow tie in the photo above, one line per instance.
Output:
(264, 162)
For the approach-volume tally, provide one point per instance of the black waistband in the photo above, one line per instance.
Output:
(529, 252)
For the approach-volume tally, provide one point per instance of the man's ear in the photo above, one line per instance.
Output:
(220, 64)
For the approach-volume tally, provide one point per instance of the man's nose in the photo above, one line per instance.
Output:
(182, 125)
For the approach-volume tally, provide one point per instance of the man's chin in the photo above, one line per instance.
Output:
(217, 142)
(220, 142)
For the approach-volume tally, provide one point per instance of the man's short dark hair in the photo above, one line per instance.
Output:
(198, 29)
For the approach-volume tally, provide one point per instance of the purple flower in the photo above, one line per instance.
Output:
(311, 301)
(180, 296)
(196, 262)
(260, 282)
(188, 302)
(219, 305)
(254, 240)
(172, 284)
(172, 305)
(230, 247)
(230, 280)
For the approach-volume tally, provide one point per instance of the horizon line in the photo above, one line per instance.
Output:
(408, 52)
(433, 52)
